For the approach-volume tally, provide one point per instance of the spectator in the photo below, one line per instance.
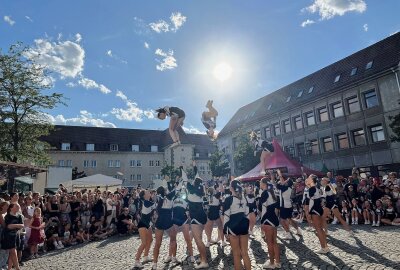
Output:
(125, 222)
(111, 208)
(3, 253)
(36, 237)
(75, 208)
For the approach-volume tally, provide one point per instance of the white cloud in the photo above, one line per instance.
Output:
(146, 45)
(8, 20)
(307, 22)
(160, 26)
(168, 61)
(85, 118)
(109, 53)
(132, 112)
(63, 57)
(141, 27)
(71, 84)
(91, 84)
(116, 57)
(28, 18)
(327, 9)
(192, 130)
(177, 20)
(78, 37)
(365, 26)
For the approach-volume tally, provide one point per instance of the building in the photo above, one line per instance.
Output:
(134, 155)
(337, 116)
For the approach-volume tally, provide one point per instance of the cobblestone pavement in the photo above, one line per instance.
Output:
(370, 248)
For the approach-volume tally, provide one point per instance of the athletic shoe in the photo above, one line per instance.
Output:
(278, 265)
(334, 222)
(192, 259)
(168, 259)
(175, 260)
(146, 259)
(373, 224)
(202, 265)
(174, 144)
(287, 236)
(269, 265)
(299, 231)
(327, 232)
(137, 265)
(213, 241)
(207, 244)
(60, 244)
(224, 243)
(396, 223)
(154, 267)
(323, 250)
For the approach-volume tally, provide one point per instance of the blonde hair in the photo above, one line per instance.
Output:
(37, 209)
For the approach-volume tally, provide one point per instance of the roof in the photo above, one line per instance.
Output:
(385, 54)
(79, 136)
(94, 181)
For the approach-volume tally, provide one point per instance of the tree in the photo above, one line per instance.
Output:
(169, 171)
(244, 153)
(395, 126)
(24, 97)
(219, 165)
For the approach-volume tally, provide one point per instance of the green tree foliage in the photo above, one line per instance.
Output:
(219, 165)
(243, 155)
(169, 171)
(24, 98)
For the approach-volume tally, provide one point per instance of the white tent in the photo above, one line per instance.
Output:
(93, 181)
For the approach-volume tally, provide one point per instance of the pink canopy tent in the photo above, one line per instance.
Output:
(278, 159)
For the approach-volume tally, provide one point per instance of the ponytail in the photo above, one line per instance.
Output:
(237, 187)
(270, 187)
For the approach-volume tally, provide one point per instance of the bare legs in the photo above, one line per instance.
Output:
(239, 244)
(146, 239)
(273, 247)
(174, 124)
(157, 245)
(317, 222)
(197, 231)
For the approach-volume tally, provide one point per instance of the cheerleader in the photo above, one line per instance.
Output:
(306, 208)
(367, 212)
(265, 147)
(345, 211)
(144, 227)
(267, 205)
(177, 116)
(236, 225)
(252, 204)
(197, 215)
(390, 216)
(376, 222)
(331, 204)
(214, 217)
(284, 188)
(355, 211)
(316, 212)
(209, 120)
(164, 220)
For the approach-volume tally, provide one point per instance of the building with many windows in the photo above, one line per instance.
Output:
(337, 116)
(134, 155)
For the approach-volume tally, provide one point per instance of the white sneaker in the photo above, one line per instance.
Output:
(154, 267)
(60, 244)
(207, 244)
(213, 241)
(367, 223)
(269, 265)
(146, 259)
(373, 224)
(287, 236)
(299, 231)
(224, 243)
(192, 259)
(278, 265)
(137, 265)
(323, 250)
(175, 260)
(334, 222)
(327, 232)
(168, 259)
(202, 265)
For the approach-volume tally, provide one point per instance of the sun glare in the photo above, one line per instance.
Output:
(222, 71)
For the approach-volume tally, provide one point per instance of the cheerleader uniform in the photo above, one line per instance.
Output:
(195, 201)
(306, 197)
(330, 198)
(214, 206)
(285, 203)
(315, 201)
(261, 145)
(389, 214)
(251, 203)
(235, 212)
(174, 112)
(146, 214)
(164, 209)
(180, 206)
(267, 206)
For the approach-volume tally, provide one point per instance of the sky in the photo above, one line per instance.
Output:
(118, 61)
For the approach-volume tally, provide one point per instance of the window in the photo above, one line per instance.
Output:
(151, 163)
(323, 114)
(61, 163)
(94, 163)
(183, 160)
(327, 143)
(65, 146)
(286, 126)
(301, 150)
(371, 100)
(135, 148)
(110, 163)
(69, 163)
(277, 130)
(310, 120)
(337, 109)
(377, 133)
(288, 98)
(90, 147)
(314, 147)
(354, 105)
(311, 89)
(157, 163)
(132, 163)
(154, 148)
(337, 78)
(138, 163)
(267, 132)
(343, 141)
(353, 71)
(298, 123)
(132, 177)
(197, 155)
(117, 164)
(113, 147)
(139, 177)
(369, 65)
(86, 163)
(300, 94)
(269, 107)
(359, 137)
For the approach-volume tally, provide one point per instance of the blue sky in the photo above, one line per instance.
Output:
(116, 61)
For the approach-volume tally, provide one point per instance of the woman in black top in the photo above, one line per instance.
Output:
(177, 116)
(13, 222)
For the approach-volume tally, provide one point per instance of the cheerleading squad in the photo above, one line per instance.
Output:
(186, 205)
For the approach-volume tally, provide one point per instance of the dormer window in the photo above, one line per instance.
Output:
(337, 78)
(288, 98)
(353, 71)
(311, 89)
(300, 94)
(113, 147)
(369, 65)
(269, 107)
(90, 147)
(65, 146)
(135, 148)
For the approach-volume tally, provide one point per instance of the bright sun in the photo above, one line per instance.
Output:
(222, 71)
